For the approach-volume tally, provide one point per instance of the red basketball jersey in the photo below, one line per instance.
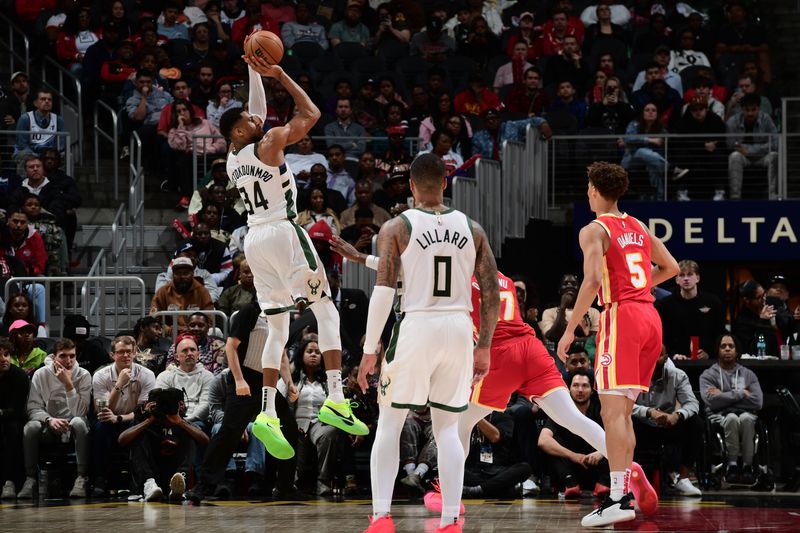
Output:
(509, 324)
(626, 264)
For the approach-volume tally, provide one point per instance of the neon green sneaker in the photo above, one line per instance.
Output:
(268, 431)
(339, 415)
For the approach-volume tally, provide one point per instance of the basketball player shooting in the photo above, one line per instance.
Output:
(286, 269)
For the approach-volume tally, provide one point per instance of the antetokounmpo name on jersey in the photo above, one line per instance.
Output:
(251, 170)
(433, 237)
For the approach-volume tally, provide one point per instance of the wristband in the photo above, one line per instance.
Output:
(380, 304)
(372, 261)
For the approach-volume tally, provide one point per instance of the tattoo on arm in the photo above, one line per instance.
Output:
(392, 241)
(486, 274)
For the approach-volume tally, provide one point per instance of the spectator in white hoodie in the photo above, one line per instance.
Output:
(190, 377)
(58, 403)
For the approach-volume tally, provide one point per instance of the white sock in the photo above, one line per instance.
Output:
(451, 463)
(268, 400)
(335, 391)
(421, 470)
(409, 467)
(385, 457)
(617, 485)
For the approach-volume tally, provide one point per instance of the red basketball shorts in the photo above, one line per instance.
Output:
(523, 366)
(628, 346)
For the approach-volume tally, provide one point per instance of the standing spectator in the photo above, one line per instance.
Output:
(707, 152)
(339, 179)
(223, 101)
(527, 96)
(25, 355)
(432, 45)
(211, 349)
(569, 103)
(692, 319)
(477, 98)
(151, 346)
(57, 408)
(212, 255)
(303, 29)
(555, 319)
(668, 415)
(344, 126)
(753, 143)
(118, 389)
(14, 385)
(184, 292)
(417, 448)
(170, 27)
(661, 59)
(568, 65)
(755, 319)
(42, 123)
(732, 396)
(240, 295)
(364, 195)
(191, 377)
(350, 29)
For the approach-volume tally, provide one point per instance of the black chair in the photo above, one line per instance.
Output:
(368, 67)
(460, 68)
(391, 50)
(306, 52)
(412, 69)
(325, 64)
(349, 52)
(689, 73)
(790, 412)
(290, 63)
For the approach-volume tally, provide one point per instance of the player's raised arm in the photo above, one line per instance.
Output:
(666, 266)
(591, 240)
(486, 274)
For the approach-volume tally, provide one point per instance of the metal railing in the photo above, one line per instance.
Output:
(358, 276)
(136, 200)
(790, 147)
(119, 240)
(480, 198)
(16, 44)
(412, 144)
(61, 145)
(187, 312)
(108, 302)
(112, 137)
(70, 103)
(200, 162)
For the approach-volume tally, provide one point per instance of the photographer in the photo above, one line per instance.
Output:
(162, 445)
(554, 320)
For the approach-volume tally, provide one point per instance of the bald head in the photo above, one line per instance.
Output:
(428, 172)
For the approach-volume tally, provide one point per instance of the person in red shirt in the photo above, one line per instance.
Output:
(554, 31)
(254, 19)
(477, 98)
(26, 243)
(618, 253)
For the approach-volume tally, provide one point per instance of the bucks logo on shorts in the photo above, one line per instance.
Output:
(314, 287)
(385, 385)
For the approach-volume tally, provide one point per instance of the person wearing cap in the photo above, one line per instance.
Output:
(25, 355)
(212, 255)
(350, 29)
(476, 99)
(706, 152)
(778, 296)
(183, 292)
(432, 44)
(395, 195)
(17, 103)
(41, 123)
(527, 33)
(58, 405)
(14, 386)
(661, 58)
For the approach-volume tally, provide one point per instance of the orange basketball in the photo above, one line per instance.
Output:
(266, 45)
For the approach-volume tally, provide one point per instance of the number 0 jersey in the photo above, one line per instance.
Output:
(626, 264)
(438, 263)
(268, 193)
(510, 327)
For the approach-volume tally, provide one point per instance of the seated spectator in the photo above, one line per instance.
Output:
(143, 110)
(211, 355)
(14, 385)
(505, 74)
(396, 193)
(210, 215)
(27, 245)
(225, 196)
(212, 255)
(556, 29)
(254, 19)
(318, 179)
(318, 211)
(184, 292)
(55, 241)
(604, 24)
(707, 153)
(567, 101)
(303, 28)
(481, 44)
(164, 428)
(740, 40)
(190, 375)
(350, 29)
(109, 62)
(118, 389)
(367, 411)
(344, 126)
(612, 112)
(59, 196)
(395, 156)
(418, 452)
(732, 396)
(493, 468)
(364, 196)
(489, 142)
(339, 179)
(200, 274)
(228, 216)
(221, 102)
(605, 10)
(64, 202)
(280, 106)
(392, 26)
(170, 27)
(366, 110)
(25, 354)
(18, 101)
(568, 65)
(668, 415)
(525, 33)
(778, 297)
(58, 405)
(432, 44)
(753, 143)
(527, 96)
(755, 319)
(92, 352)
(473, 10)
(751, 68)
(151, 346)
(367, 170)
(442, 111)
(118, 14)
(343, 88)
(746, 85)
(704, 87)
(304, 157)
(361, 232)
(661, 61)
(462, 144)
(595, 93)
(573, 462)
(686, 55)
(577, 358)
(238, 296)
(317, 440)
(18, 306)
(181, 90)
(640, 149)
(204, 88)
(476, 99)
(555, 319)
(41, 123)
(442, 146)
(78, 34)
(657, 34)
(230, 12)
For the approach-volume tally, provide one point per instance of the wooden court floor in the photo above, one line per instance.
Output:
(718, 512)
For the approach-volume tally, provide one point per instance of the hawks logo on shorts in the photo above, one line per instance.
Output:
(606, 359)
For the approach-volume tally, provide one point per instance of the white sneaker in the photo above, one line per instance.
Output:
(79, 488)
(152, 491)
(682, 195)
(610, 512)
(685, 488)
(678, 173)
(9, 491)
(529, 488)
(177, 486)
(26, 493)
(719, 195)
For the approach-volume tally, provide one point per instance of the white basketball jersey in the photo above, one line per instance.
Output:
(438, 263)
(269, 193)
(41, 136)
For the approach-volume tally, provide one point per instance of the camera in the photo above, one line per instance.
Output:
(167, 402)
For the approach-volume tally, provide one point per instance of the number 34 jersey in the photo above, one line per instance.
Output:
(626, 264)
(268, 193)
(438, 263)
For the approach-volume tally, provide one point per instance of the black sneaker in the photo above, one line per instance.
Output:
(100, 490)
(196, 494)
(748, 476)
(732, 474)
(290, 496)
(610, 512)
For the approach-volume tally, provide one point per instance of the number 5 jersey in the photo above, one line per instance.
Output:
(626, 264)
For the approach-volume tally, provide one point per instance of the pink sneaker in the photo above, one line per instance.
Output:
(643, 491)
(600, 490)
(383, 524)
(572, 493)
(433, 500)
(452, 528)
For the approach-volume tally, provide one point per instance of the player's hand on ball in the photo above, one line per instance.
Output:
(564, 344)
(367, 367)
(480, 366)
(261, 66)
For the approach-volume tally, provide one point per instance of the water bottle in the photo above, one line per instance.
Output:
(761, 346)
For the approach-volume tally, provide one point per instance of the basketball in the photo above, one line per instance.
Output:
(265, 45)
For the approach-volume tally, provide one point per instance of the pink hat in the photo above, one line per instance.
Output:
(19, 324)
